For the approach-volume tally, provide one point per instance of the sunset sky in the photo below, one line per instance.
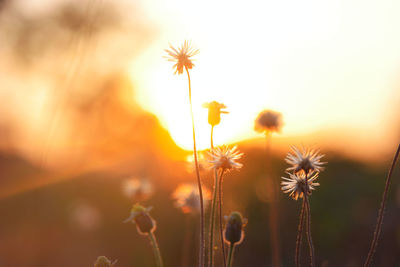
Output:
(326, 65)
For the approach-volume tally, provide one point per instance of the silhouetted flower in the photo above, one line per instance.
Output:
(295, 185)
(268, 121)
(137, 189)
(307, 160)
(141, 217)
(102, 261)
(224, 158)
(182, 56)
(233, 233)
(186, 198)
(214, 112)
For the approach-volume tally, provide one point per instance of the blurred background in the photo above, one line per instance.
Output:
(91, 112)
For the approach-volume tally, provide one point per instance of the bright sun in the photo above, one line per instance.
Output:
(302, 59)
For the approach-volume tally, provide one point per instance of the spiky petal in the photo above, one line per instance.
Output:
(307, 160)
(295, 184)
(225, 158)
(182, 56)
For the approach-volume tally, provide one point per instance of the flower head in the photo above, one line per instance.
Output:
(182, 56)
(268, 121)
(187, 198)
(137, 189)
(224, 158)
(307, 160)
(296, 186)
(145, 224)
(102, 261)
(233, 233)
(214, 112)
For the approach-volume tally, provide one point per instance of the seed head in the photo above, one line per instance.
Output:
(268, 121)
(182, 56)
(234, 233)
(214, 112)
(224, 158)
(187, 198)
(141, 217)
(137, 189)
(296, 186)
(307, 160)
(102, 261)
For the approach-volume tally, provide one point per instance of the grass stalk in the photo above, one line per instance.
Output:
(308, 230)
(202, 240)
(299, 235)
(221, 230)
(379, 221)
(230, 254)
(156, 249)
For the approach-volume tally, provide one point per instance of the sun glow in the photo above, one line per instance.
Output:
(309, 60)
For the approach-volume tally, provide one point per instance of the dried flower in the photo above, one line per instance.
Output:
(137, 189)
(144, 222)
(186, 198)
(295, 185)
(102, 261)
(182, 56)
(307, 160)
(268, 121)
(214, 112)
(224, 158)
(234, 233)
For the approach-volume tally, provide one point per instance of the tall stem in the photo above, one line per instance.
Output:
(212, 220)
(156, 249)
(221, 231)
(308, 230)
(230, 254)
(202, 240)
(299, 235)
(274, 208)
(381, 211)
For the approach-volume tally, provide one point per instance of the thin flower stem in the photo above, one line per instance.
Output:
(220, 218)
(230, 254)
(308, 230)
(381, 211)
(274, 208)
(212, 220)
(213, 208)
(299, 235)
(202, 240)
(156, 249)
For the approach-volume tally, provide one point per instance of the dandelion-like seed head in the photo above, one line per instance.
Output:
(224, 158)
(307, 160)
(187, 198)
(214, 112)
(103, 261)
(296, 185)
(233, 233)
(182, 56)
(140, 216)
(268, 121)
(137, 189)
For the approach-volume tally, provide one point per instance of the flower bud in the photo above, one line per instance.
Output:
(102, 261)
(141, 217)
(234, 233)
(214, 112)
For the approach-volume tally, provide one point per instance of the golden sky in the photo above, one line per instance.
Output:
(326, 65)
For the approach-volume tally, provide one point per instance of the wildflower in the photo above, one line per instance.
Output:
(137, 189)
(224, 158)
(144, 222)
(295, 185)
(306, 160)
(234, 233)
(214, 112)
(102, 261)
(182, 56)
(186, 198)
(268, 121)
